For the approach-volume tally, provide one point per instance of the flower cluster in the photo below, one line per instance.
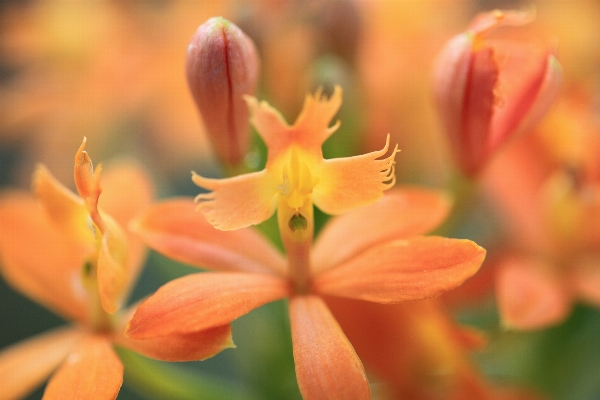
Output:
(369, 275)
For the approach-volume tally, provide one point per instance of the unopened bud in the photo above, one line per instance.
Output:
(222, 65)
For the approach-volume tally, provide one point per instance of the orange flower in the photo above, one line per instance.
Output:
(373, 253)
(487, 90)
(67, 253)
(548, 186)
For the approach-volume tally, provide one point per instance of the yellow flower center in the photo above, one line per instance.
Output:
(298, 181)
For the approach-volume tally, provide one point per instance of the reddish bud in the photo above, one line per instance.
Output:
(222, 65)
(487, 91)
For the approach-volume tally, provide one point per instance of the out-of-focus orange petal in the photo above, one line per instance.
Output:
(529, 295)
(237, 202)
(586, 279)
(26, 364)
(175, 229)
(178, 347)
(201, 301)
(114, 276)
(127, 190)
(39, 261)
(327, 366)
(92, 371)
(399, 214)
(350, 182)
(62, 206)
(529, 81)
(402, 270)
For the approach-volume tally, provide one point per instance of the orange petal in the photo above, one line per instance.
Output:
(176, 230)
(38, 260)
(586, 279)
(310, 129)
(92, 371)
(88, 183)
(529, 81)
(327, 366)
(237, 202)
(201, 301)
(178, 347)
(402, 270)
(127, 190)
(399, 214)
(62, 206)
(25, 365)
(347, 183)
(114, 276)
(529, 295)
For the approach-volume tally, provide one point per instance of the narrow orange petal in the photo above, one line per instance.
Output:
(114, 276)
(327, 366)
(177, 347)
(88, 183)
(93, 371)
(25, 365)
(402, 270)
(311, 128)
(586, 279)
(347, 183)
(38, 260)
(529, 295)
(399, 214)
(237, 202)
(127, 190)
(270, 125)
(201, 301)
(175, 229)
(63, 207)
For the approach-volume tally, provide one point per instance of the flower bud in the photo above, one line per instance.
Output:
(487, 91)
(222, 65)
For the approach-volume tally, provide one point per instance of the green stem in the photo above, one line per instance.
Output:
(464, 191)
(159, 380)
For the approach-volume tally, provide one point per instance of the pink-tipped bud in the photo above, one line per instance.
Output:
(222, 65)
(486, 91)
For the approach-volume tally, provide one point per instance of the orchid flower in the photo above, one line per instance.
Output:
(373, 253)
(553, 212)
(68, 253)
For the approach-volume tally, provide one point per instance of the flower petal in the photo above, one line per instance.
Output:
(65, 209)
(92, 371)
(399, 214)
(114, 275)
(586, 279)
(310, 129)
(402, 270)
(38, 260)
(127, 190)
(88, 184)
(175, 229)
(201, 301)
(529, 296)
(327, 366)
(350, 182)
(178, 347)
(237, 202)
(25, 365)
